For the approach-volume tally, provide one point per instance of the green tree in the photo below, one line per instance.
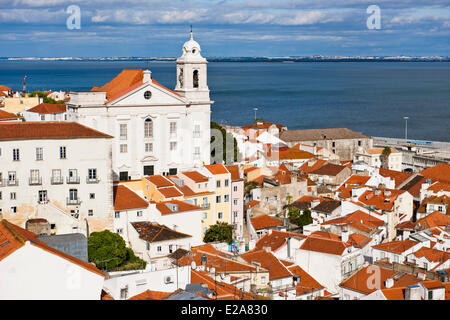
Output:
(221, 231)
(109, 252)
(385, 156)
(44, 97)
(226, 136)
(300, 218)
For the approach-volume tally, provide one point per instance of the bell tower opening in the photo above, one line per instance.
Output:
(195, 78)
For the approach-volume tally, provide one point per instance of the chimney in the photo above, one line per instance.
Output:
(147, 76)
(389, 283)
(413, 293)
(267, 249)
(344, 235)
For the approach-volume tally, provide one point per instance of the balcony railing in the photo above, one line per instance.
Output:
(92, 180)
(35, 181)
(74, 179)
(197, 134)
(12, 182)
(57, 180)
(75, 202)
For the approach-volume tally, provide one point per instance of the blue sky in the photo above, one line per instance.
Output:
(158, 28)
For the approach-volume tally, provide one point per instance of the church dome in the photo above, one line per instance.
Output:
(191, 47)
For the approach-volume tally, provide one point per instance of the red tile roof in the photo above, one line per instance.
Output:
(432, 255)
(357, 217)
(435, 219)
(153, 232)
(195, 176)
(126, 199)
(319, 244)
(48, 108)
(182, 207)
(160, 181)
(396, 246)
(362, 281)
(8, 116)
(307, 283)
(13, 237)
(217, 169)
(234, 170)
(170, 192)
(370, 198)
(150, 295)
(398, 176)
(47, 130)
(440, 172)
(329, 169)
(275, 240)
(4, 88)
(306, 168)
(268, 261)
(265, 221)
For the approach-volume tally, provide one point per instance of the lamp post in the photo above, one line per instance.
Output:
(255, 109)
(406, 127)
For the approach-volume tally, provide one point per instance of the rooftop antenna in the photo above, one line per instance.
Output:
(24, 88)
(192, 36)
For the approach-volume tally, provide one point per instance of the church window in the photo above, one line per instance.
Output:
(195, 78)
(147, 95)
(148, 128)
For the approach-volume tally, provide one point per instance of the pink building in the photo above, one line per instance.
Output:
(237, 200)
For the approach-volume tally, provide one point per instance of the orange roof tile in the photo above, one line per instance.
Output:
(265, 221)
(126, 199)
(195, 176)
(371, 198)
(268, 261)
(8, 116)
(396, 246)
(182, 207)
(362, 280)
(160, 181)
(440, 172)
(275, 240)
(217, 169)
(150, 295)
(307, 283)
(394, 293)
(435, 219)
(47, 130)
(170, 192)
(234, 170)
(13, 237)
(319, 244)
(48, 108)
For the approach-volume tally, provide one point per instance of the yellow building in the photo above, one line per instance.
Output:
(20, 104)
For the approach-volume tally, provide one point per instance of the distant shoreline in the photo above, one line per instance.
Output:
(245, 59)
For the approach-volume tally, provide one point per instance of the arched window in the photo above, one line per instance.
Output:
(148, 128)
(195, 78)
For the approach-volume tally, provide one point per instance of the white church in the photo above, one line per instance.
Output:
(156, 130)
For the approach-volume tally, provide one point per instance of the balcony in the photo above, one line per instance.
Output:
(35, 181)
(71, 180)
(73, 202)
(197, 134)
(12, 182)
(57, 180)
(92, 180)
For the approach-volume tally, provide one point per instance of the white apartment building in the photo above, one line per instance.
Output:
(59, 171)
(156, 130)
(374, 157)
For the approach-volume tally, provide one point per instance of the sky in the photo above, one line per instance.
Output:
(224, 28)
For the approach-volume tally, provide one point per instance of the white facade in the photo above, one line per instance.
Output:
(179, 136)
(31, 273)
(61, 180)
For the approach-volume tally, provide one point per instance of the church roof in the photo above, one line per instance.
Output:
(126, 81)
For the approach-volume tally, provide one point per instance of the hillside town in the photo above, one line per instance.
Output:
(129, 192)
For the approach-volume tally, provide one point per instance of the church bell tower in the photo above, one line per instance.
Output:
(191, 73)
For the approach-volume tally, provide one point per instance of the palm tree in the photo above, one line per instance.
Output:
(385, 156)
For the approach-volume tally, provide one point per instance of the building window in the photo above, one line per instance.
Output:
(197, 131)
(235, 202)
(147, 246)
(220, 215)
(226, 182)
(42, 196)
(430, 295)
(119, 231)
(123, 148)
(173, 129)
(218, 199)
(148, 128)
(226, 198)
(123, 131)
(92, 174)
(359, 143)
(90, 212)
(139, 213)
(218, 183)
(39, 154)
(91, 195)
(159, 249)
(62, 152)
(16, 155)
(235, 214)
(235, 188)
(13, 209)
(12, 196)
(124, 293)
(148, 147)
(173, 146)
(117, 214)
(1, 195)
(205, 215)
(197, 152)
